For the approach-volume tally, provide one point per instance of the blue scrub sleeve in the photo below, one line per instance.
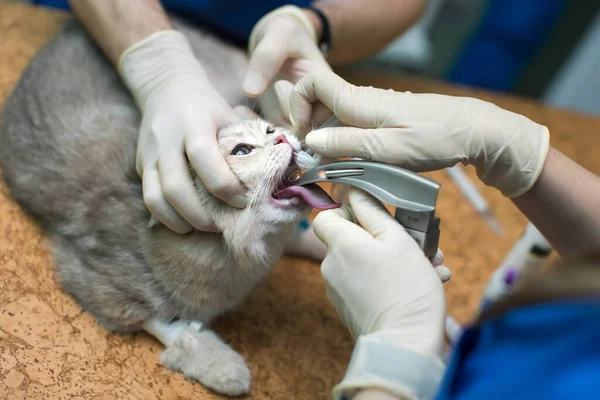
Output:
(545, 351)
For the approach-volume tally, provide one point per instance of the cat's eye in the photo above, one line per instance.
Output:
(242, 150)
(270, 130)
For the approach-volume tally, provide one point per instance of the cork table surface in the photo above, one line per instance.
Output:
(287, 331)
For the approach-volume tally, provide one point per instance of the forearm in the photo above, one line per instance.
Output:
(564, 205)
(115, 24)
(360, 28)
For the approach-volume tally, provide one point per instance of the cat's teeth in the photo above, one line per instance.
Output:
(294, 175)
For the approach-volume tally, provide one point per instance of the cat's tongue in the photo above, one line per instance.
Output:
(312, 194)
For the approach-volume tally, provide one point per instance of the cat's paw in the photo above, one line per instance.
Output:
(200, 355)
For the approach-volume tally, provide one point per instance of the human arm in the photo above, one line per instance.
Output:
(361, 28)
(116, 25)
(564, 205)
(425, 132)
(390, 298)
(181, 110)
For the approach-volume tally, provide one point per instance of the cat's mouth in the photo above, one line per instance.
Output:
(288, 195)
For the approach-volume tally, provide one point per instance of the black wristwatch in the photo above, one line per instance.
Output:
(325, 39)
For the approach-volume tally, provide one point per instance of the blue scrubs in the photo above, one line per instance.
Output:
(547, 351)
(232, 19)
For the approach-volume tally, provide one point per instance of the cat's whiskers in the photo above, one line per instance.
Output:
(259, 193)
(262, 112)
(266, 187)
(253, 106)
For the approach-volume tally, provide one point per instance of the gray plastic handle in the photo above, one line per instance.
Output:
(393, 185)
(413, 195)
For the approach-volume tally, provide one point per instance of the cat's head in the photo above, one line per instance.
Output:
(262, 156)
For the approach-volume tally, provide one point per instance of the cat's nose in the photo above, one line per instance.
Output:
(281, 139)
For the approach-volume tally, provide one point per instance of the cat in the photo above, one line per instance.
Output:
(67, 152)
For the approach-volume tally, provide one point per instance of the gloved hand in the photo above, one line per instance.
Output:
(181, 113)
(420, 132)
(388, 295)
(282, 47)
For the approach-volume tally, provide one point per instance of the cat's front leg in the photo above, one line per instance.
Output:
(197, 352)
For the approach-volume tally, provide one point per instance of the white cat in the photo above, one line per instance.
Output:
(67, 150)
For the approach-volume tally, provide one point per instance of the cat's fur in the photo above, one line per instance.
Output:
(67, 151)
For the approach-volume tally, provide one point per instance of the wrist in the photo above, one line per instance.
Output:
(428, 344)
(379, 365)
(537, 162)
(158, 61)
(516, 169)
(510, 150)
(297, 13)
(322, 28)
(113, 33)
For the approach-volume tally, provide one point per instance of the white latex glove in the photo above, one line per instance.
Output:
(421, 132)
(282, 47)
(181, 113)
(388, 295)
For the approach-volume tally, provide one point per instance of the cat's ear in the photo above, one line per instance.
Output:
(245, 113)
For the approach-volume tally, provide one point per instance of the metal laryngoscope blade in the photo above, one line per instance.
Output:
(414, 196)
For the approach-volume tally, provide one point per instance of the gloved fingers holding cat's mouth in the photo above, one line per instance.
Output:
(180, 207)
(159, 206)
(210, 165)
(181, 114)
(168, 185)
